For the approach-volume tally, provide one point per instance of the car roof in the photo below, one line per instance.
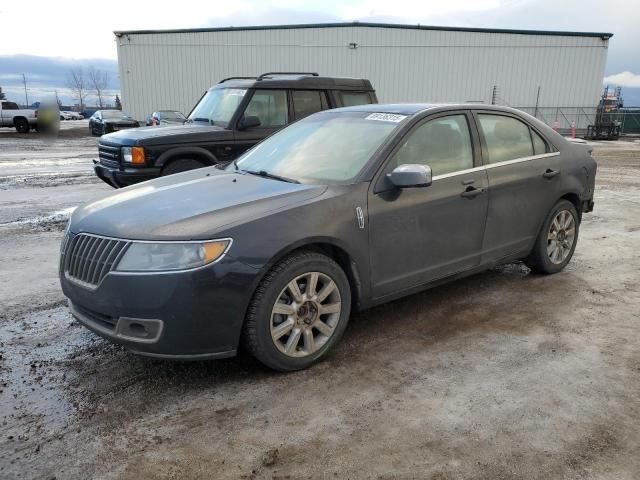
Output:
(299, 81)
(415, 108)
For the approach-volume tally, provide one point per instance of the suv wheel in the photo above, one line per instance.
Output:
(184, 165)
(298, 312)
(557, 239)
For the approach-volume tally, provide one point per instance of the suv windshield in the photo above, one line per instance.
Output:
(323, 148)
(218, 106)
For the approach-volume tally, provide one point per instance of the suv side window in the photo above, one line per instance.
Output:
(506, 138)
(444, 144)
(350, 99)
(10, 106)
(270, 106)
(306, 102)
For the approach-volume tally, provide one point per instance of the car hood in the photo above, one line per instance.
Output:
(167, 134)
(195, 205)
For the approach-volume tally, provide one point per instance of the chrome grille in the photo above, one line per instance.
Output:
(88, 258)
(109, 156)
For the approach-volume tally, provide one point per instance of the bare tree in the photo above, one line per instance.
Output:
(98, 83)
(78, 84)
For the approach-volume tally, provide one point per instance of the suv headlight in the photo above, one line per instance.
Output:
(133, 155)
(168, 256)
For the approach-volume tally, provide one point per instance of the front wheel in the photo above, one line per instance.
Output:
(298, 312)
(557, 239)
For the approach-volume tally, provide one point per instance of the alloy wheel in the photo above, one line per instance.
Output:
(561, 236)
(305, 314)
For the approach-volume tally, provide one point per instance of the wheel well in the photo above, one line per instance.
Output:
(342, 258)
(17, 119)
(188, 156)
(575, 199)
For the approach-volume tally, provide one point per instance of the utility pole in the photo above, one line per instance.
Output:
(26, 97)
(494, 94)
(535, 113)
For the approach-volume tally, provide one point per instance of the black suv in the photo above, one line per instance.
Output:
(230, 118)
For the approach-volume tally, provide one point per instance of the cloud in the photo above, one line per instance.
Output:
(623, 79)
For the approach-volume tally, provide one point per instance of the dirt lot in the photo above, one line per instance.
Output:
(502, 375)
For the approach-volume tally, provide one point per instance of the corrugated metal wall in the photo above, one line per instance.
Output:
(172, 70)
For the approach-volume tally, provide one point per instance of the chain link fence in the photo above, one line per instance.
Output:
(564, 118)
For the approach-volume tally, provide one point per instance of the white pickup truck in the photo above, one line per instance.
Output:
(13, 116)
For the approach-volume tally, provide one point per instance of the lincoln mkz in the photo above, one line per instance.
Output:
(340, 211)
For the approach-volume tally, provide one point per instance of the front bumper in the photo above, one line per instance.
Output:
(119, 177)
(195, 314)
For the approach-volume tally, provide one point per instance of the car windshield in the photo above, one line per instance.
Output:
(218, 106)
(113, 114)
(326, 148)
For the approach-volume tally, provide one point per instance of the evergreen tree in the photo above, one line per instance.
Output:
(118, 103)
(2, 95)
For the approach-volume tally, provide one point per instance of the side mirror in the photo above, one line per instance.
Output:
(248, 121)
(410, 176)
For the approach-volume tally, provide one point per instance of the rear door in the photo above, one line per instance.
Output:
(418, 235)
(524, 182)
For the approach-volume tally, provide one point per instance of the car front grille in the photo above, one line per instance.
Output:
(109, 156)
(87, 259)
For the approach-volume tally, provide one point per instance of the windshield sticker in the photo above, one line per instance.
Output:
(386, 117)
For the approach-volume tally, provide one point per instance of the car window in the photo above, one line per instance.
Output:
(350, 99)
(539, 145)
(506, 137)
(10, 106)
(306, 102)
(444, 144)
(270, 106)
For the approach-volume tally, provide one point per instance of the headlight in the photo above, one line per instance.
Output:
(134, 155)
(166, 256)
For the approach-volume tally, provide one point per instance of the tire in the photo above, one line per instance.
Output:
(22, 125)
(298, 320)
(549, 255)
(183, 165)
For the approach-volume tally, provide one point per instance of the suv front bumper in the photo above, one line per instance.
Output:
(121, 177)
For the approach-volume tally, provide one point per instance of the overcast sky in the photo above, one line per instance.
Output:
(68, 31)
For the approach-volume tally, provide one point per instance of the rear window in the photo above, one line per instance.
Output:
(307, 102)
(350, 99)
(10, 106)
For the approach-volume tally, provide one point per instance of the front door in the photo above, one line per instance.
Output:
(418, 235)
(271, 107)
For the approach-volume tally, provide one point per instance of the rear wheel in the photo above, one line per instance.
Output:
(298, 312)
(557, 239)
(183, 165)
(22, 125)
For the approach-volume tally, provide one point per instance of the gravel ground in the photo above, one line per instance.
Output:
(503, 375)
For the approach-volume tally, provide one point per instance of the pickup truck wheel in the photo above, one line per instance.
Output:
(298, 312)
(183, 165)
(557, 239)
(22, 125)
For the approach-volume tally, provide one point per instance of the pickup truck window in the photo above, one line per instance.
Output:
(10, 106)
(306, 102)
(218, 106)
(270, 106)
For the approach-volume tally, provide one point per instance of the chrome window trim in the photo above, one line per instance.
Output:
(495, 165)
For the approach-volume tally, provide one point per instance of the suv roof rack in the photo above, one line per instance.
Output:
(269, 74)
(236, 78)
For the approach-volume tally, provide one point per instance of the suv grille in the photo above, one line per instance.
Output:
(109, 156)
(88, 258)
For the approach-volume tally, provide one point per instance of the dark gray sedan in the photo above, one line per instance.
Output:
(343, 210)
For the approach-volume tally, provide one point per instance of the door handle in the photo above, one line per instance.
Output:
(550, 173)
(471, 192)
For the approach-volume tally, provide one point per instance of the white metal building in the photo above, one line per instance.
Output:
(172, 68)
